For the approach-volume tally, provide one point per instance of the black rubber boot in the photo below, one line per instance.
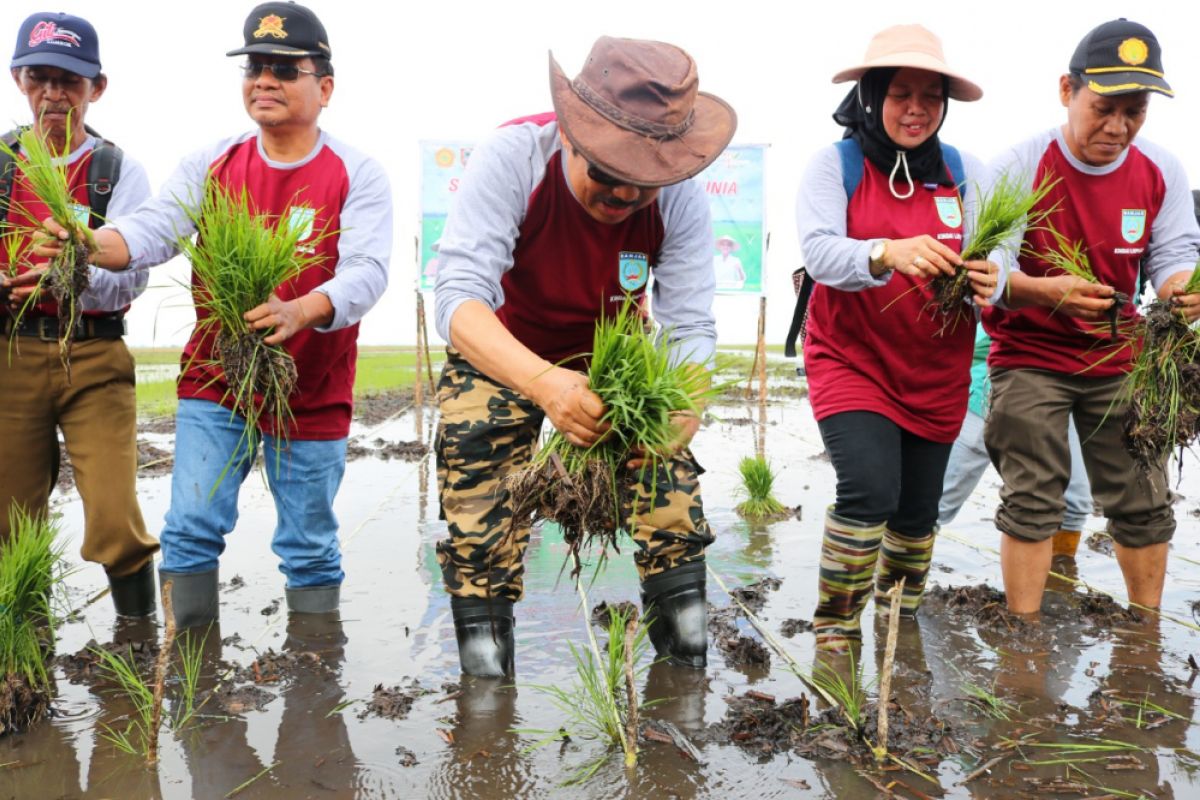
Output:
(484, 629)
(133, 595)
(193, 597)
(677, 607)
(314, 599)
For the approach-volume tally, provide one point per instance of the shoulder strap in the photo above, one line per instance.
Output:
(852, 164)
(104, 170)
(796, 331)
(8, 167)
(954, 163)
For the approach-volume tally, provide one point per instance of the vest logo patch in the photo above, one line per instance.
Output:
(633, 269)
(301, 218)
(949, 211)
(1133, 224)
(82, 214)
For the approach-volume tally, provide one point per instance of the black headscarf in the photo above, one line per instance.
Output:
(861, 114)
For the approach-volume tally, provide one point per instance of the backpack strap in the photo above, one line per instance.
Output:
(954, 163)
(8, 168)
(104, 170)
(852, 164)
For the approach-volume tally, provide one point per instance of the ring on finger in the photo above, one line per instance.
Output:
(917, 261)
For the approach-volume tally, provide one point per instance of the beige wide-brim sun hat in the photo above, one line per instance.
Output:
(911, 46)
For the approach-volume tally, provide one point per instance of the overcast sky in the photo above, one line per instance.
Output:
(415, 71)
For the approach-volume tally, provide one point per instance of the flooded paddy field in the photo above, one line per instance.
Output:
(1095, 702)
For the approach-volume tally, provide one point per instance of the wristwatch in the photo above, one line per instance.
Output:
(876, 257)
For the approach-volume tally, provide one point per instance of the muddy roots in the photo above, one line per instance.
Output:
(1164, 393)
(950, 294)
(261, 377)
(66, 280)
(20, 704)
(583, 502)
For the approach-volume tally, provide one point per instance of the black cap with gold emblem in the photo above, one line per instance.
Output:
(1120, 57)
(284, 29)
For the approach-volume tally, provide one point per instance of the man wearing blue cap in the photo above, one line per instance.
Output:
(56, 65)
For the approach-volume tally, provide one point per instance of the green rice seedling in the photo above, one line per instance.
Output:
(48, 176)
(1006, 207)
(758, 480)
(988, 702)
(598, 705)
(139, 737)
(239, 257)
(29, 571)
(644, 389)
(848, 692)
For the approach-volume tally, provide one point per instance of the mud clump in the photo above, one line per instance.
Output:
(394, 702)
(757, 723)
(754, 596)
(1100, 542)
(20, 704)
(374, 409)
(738, 650)
(272, 667)
(603, 613)
(87, 666)
(1104, 612)
(239, 700)
(381, 448)
(981, 603)
(791, 627)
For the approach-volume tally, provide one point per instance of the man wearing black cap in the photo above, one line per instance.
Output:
(291, 169)
(558, 217)
(1061, 346)
(56, 65)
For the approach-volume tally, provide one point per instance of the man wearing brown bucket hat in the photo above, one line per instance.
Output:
(1061, 347)
(559, 216)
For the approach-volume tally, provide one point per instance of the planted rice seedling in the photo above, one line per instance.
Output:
(48, 176)
(758, 480)
(29, 570)
(1163, 385)
(239, 257)
(1005, 208)
(847, 691)
(644, 390)
(601, 703)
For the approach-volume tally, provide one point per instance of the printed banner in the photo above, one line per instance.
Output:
(733, 184)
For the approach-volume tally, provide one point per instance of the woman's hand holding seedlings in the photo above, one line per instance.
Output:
(984, 277)
(1076, 297)
(286, 318)
(573, 408)
(920, 257)
(1187, 305)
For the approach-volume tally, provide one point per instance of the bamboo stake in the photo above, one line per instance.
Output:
(762, 350)
(889, 665)
(160, 674)
(631, 713)
(419, 383)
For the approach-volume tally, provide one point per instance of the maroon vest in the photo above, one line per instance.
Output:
(569, 269)
(879, 349)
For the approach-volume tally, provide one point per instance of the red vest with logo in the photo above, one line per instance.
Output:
(569, 269)
(883, 349)
(325, 362)
(1112, 214)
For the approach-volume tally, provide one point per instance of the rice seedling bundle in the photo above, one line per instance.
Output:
(240, 256)
(757, 483)
(66, 278)
(1163, 385)
(1004, 209)
(28, 573)
(585, 489)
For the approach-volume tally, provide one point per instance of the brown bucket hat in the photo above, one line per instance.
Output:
(636, 112)
(911, 46)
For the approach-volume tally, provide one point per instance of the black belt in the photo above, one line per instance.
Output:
(46, 328)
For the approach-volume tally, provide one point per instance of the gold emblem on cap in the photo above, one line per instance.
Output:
(272, 25)
(1133, 51)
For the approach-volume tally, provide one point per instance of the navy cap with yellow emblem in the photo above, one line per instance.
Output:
(284, 29)
(1120, 57)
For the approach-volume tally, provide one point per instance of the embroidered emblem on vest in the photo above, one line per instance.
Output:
(949, 211)
(1133, 224)
(271, 25)
(633, 270)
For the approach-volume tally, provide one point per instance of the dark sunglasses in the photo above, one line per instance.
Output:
(282, 71)
(603, 178)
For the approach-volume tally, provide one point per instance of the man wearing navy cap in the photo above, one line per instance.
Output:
(1058, 351)
(292, 169)
(56, 65)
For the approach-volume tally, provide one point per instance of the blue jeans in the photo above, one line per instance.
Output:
(303, 476)
(969, 459)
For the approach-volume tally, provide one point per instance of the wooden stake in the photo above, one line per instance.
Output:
(762, 350)
(631, 709)
(889, 663)
(419, 383)
(160, 674)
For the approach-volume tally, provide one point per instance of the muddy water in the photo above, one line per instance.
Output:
(298, 705)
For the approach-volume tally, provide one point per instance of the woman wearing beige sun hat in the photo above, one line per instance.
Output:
(880, 214)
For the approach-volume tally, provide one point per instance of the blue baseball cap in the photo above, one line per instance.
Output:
(58, 40)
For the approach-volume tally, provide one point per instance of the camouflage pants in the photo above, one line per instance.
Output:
(486, 432)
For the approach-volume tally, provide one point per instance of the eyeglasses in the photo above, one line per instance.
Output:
(603, 178)
(282, 70)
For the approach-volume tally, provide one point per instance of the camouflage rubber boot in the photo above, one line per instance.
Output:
(908, 558)
(848, 554)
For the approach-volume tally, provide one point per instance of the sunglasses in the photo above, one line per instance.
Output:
(282, 71)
